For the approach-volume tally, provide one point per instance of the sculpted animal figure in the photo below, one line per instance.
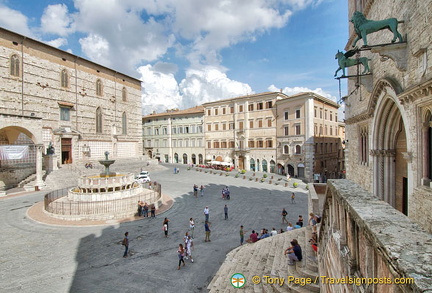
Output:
(364, 26)
(344, 61)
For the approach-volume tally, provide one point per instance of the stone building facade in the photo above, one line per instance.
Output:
(389, 115)
(377, 224)
(309, 137)
(175, 136)
(53, 99)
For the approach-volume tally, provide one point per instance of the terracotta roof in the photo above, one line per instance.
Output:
(176, 112)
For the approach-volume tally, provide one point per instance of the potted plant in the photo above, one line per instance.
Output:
(264, 175)
(295, 184)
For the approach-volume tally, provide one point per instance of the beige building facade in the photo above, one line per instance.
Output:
(242, 131)
(175, 136)
(308, 137)
(50, 98)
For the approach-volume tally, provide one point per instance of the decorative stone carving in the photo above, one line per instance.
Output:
(397, 52)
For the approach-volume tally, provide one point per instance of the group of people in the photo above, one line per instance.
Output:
(144, 208)
(195, 190)
(226, 194)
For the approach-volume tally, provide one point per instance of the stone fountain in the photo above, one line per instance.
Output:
(109, 195)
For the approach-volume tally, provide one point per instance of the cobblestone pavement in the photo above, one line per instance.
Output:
(44, 258)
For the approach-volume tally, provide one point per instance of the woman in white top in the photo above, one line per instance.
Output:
(191, 226)
(290, 227)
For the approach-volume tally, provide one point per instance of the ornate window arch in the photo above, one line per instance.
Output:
(15, 65)
(298, 149)
(64, 78)
(99, 87)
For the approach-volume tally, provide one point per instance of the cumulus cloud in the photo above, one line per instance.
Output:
(96, 48)
(14, 20)
(161, 90)
(289, 91)
(56, 20)
(57, 42)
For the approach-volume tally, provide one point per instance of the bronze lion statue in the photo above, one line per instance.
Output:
(363, 27)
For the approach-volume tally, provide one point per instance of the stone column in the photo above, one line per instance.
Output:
(426, 160)
(39, 182)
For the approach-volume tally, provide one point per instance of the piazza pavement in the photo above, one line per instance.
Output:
(41, 257)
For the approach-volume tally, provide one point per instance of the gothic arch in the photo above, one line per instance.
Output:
(388, 146)
(380, 89)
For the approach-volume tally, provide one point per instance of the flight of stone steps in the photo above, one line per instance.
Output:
(266, 258)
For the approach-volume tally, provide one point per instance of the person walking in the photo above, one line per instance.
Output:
(195, 190)
(292, 197)
(192, 226)
(145, 210)
(165, 227)
(284, 214)
(207, 231)
(206, 213)
(140, 208)
(181, 254)
(125, 243)
(189, 246)
(202, 190)
(226, 212)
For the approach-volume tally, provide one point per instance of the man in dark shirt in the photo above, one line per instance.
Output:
(294, 252)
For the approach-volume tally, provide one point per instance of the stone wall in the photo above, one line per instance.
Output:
(364, 237)
(11, 177)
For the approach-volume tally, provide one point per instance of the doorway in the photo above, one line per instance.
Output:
(66, 150)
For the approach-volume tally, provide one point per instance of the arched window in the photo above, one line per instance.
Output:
(15, 65)
(298, 149)
(99, 91)
(64, 78)
(286, 151)
(124, 94)
(98, 120)
(124, 123)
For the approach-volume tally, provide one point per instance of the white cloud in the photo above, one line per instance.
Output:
(296, 90)
(96, 48)
(57, 43)
(14, 20)
(56, 20)
(209, 84)
(160, 91)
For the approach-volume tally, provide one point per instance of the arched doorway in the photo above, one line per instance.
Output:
(300, 170)
(241, 162)
(281, 169)
(264, 166)
(272, 166)
(185, 159)
(193, 159)
(290, 170)
(389, 149)
(200, 159)
(219, 159)
(176, 158)
(252, 164)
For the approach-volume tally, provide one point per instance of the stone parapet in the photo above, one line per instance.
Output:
(362, 236)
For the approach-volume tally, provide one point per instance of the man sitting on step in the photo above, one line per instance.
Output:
(294, 252)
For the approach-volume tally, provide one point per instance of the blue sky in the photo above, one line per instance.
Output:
(188, 52)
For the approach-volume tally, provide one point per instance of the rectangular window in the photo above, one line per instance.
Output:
(269, 123)
(224, 126)
(186, 129)
(209, 144)
(231, 110)
(286, 115)
(251, 144)
(260, 124)
(331, 130)
(200, 129)
(297, 113)
(216, 126)
(164, 130)
(260, 143)
(223, 110)
(216, 112)
(174, 143)
(251, 124)
(208, 127)
(231, 144)
(269, 104)
(180, 129)
(336, 117)
(298, 129)
(65, 113)
(186, 142)
(216, 144)
(331, 116)
(231, 125)
(223, 144)
(321, 113)
(315, 112)
(260, 106)
(208, 112)
(241, 125)
(250, 107)
(286, 130)
(240, 108)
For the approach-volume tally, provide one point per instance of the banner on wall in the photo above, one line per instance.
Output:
(14, 152)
